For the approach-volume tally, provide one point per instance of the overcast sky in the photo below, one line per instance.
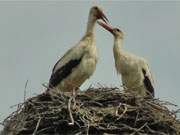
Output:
(34, 35)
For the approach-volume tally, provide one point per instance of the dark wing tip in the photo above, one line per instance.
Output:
(148, 84)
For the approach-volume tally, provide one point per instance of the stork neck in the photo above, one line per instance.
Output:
(91, 25)
(118, 43)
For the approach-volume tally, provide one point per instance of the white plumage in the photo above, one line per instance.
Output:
(79, 63)
(134, 70)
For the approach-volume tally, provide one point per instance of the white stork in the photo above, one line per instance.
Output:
(79, 62)
(134, 70)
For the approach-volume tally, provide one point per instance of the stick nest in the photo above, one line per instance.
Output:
(95, 111)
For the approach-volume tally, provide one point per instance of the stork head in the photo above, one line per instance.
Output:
(115, 31)
(97, 13)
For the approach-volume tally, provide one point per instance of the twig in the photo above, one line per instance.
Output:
(87, 129)
(136, 118)
(152, 131)
(125, 110)
(34, 133)
(25, 90)
(116, 109)
(16, 105)
(45, 86)
(41, 130)
(139, 129)
(176, 111)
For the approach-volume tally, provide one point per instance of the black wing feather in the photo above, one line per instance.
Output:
(63, 72)
(148, 84)
(68, 52)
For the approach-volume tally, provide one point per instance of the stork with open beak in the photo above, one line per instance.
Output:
(134, 70)
(78, 63)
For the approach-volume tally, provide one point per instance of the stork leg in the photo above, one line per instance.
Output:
(70, 113)
(73, 85)
(74, 96)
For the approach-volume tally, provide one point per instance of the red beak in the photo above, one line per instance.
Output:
(106, 26)
(104, 18)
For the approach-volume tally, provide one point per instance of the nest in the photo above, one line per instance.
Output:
(95, 111)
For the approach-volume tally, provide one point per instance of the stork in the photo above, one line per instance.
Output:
(79, 62)
(134, 70)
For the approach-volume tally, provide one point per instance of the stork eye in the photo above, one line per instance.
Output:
(96, 8)
(118, 30)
